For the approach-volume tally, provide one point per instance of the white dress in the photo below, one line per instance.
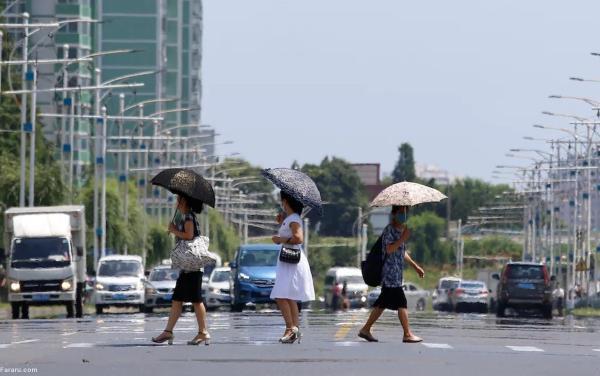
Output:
(293, 281)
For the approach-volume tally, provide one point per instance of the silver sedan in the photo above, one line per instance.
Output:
(416, 297)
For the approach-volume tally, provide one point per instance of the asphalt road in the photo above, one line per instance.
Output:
(246, 344)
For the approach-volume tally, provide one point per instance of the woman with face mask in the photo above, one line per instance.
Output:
(392, 295)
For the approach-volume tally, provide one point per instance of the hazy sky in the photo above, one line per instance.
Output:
(462, 81)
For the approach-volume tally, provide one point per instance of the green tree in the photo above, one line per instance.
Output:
(223, 237)
(343, 192)
(405, 167)
(425, 245)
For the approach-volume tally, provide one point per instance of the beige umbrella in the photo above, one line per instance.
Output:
(407, 194)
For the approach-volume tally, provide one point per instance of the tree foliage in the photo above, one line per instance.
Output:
(342, 191)
(405, 167)
(425, 243)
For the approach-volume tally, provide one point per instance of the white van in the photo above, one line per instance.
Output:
(119, 283)
(356, 288)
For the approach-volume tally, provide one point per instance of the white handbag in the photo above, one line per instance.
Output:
(192, 255)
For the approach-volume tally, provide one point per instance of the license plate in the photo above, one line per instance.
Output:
(119, 296)
(526, 286)
(168, 297)
(41, 297)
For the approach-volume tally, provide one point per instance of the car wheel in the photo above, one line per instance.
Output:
(99, 309)
(500, 309)
(547, 311)
(236, 307)
(16, 310)
(25, 310)
(421, 305)
(70, 309)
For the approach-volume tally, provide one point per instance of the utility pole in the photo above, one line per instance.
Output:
(359, 237)
(25, 126)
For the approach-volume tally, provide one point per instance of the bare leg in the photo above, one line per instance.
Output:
(176, 308)
(403, 316)
(200, 316)
(294, 314)
(375, 314)
(284, 307)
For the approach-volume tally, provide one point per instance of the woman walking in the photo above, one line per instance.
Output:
(188, 287)
(392, 295)
(293, 282)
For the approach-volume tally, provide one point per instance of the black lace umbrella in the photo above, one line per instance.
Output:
(187, 183)
(297, 184)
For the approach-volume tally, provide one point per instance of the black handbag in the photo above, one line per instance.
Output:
(290, 255)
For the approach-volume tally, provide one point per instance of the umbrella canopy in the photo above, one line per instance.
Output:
(297, 184)
(187, 183)
(407, 194)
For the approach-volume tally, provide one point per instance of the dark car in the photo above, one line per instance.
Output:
(524, 285)
(253, 275)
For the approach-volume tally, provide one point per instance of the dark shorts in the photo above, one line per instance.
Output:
(188, 287)
(391, 298)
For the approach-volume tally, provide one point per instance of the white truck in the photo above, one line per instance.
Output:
(46, 263)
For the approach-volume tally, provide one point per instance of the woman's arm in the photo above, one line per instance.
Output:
(393, 247)
(297, 235)
(415, 266)
(188, 234)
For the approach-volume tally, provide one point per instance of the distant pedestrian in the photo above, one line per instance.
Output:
(392, 295)
(345, 300)
(558, 294)
(188, 287)
(293, 281)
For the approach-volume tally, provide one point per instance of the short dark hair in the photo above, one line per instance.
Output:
(296, 205)
(395, 208)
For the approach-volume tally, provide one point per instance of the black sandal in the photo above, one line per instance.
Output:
(368, 336)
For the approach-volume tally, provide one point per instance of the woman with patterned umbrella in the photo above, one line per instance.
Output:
(293, 280)
(193, 191)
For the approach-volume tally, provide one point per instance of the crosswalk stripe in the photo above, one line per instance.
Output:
(25, 341)
(437, 345)
(525, 348)
(78, 345)
(596, 350)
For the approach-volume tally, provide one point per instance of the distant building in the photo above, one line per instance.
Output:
(428, 172)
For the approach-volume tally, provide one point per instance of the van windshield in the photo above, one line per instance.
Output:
(41, 253)
(259, 257)
(351, 279)
(448, 284)
(164, 275)
(120, 268)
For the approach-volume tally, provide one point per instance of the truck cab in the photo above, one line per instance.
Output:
(45, 267)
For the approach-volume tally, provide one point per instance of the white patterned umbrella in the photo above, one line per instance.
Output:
(407, 194)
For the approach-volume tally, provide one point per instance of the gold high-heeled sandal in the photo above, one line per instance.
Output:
(196, 341)
(168, 338)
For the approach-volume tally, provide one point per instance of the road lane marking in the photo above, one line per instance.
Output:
(347, 343)
(78, 345)
(525, 348)
(25, 341)
(68, 334)
(4, 345)
(596, 350)
(436, 345)
(345, 327)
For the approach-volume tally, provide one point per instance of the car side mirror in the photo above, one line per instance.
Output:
(233, 265)
(496, 276)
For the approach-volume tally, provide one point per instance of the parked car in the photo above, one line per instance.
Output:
(159, 287)
(218, 290)
(440, 297)
(253, 275)
(470, 296)
(356, 288)
(524, 285)
(491, 278)
(416, 297)
(119, 282)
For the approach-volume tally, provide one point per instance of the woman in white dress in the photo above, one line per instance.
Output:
(293, 282)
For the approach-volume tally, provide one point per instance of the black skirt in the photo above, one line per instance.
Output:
(391, 298)
(188, 287)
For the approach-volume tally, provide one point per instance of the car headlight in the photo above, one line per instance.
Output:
(216, 291)
(140, 286)
(15, 286)
(67, 284)
(99, 286)
(244, 277)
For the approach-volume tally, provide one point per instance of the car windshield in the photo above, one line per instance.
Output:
(525, 272)
(472, 285)
(164, 275)
(259, 257)
(448, 284)
(41, 252)
(120, 268)
(220, 276)
(351, 279)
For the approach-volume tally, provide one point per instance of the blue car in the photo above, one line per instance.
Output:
(253, 275)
